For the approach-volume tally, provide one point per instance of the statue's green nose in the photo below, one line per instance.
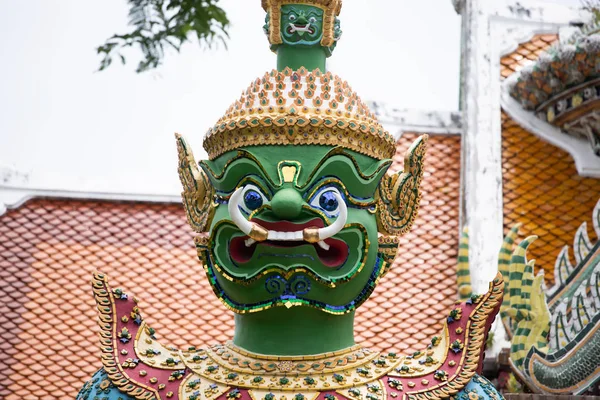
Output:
(287, 204)
(302, 19)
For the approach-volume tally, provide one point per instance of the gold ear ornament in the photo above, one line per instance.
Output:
(388, 248)
(398, 195)
(198, 193)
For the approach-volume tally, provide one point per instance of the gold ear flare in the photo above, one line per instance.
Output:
(398, 195)
(388, 247)
(198, 192)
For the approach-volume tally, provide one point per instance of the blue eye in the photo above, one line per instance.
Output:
(253, 199)
(328, 201)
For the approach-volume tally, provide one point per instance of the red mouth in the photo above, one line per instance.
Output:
(332, 258)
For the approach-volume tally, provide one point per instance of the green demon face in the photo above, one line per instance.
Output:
(301, 24)
(293, 226)
(289, 225)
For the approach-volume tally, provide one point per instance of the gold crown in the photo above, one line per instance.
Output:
(300, 108)
(331, 10)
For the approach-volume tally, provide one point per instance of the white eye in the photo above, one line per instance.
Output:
(253, 199)
(292, 17)
(313, 20)
(328, 201)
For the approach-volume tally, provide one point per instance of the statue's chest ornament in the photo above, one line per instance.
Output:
(140, 366)
(324, 372)
(354, 370)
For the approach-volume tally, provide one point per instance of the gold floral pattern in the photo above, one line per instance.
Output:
(300, 108)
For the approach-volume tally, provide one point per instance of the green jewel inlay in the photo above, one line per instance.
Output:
(309, 380)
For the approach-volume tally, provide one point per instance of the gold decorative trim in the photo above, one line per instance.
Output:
(357, 140)
(300, 108)
(209, 389)
(230, 365)
(438, 354)
(375, 390)
(487, 307)
(144, 342)
(257, 394)
(387, 247)
(108, 345)
(399, 196)
(288, 172)
(335, 358)
(198, 192)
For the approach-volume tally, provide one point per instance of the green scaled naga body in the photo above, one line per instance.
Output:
(555, 333)
(298, 219)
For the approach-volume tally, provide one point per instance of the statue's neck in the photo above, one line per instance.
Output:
(310, 58)
(295, 331)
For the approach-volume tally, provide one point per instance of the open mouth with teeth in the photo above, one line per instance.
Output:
(332, 252)
(301, 29)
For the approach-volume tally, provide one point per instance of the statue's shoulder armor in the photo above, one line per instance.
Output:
(135, 364)
(133, 360)
(451, 362)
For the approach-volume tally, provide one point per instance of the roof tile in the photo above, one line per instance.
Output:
(552, 209)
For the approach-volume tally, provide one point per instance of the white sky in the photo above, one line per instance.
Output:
(65, 126)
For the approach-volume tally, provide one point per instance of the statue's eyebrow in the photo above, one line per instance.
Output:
(336, 163)
(367, 175)
(365, 180)
(229, 168)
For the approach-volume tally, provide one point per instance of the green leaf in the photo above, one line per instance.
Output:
(157, 24)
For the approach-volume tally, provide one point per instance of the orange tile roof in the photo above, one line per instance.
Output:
(49, 248)
(528, 51)
(405, 308)
(541, 186)
(543, 190)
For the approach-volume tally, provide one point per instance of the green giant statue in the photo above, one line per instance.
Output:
(297, 221)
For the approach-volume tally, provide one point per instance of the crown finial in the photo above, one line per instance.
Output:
(303, 33)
